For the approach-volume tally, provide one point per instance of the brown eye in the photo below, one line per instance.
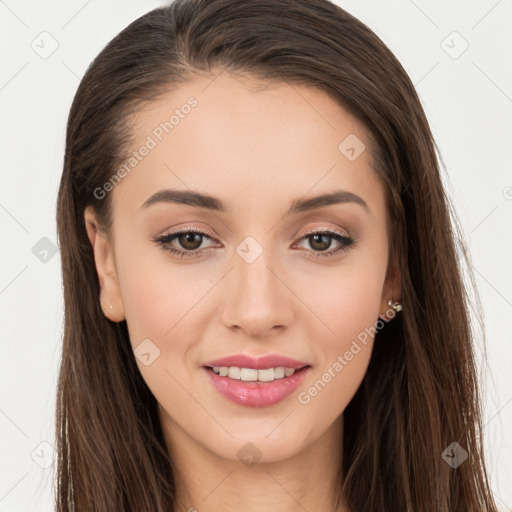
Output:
(190, 240)
(321, 241)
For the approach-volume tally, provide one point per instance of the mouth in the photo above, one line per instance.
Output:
(255, 374)
(256, 387)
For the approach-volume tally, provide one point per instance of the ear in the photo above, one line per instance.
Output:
(391, 289)
(110, 294)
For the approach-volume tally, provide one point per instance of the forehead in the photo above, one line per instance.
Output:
(225, 135)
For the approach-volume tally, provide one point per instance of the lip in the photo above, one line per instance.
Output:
(258, 363)
(255, 393)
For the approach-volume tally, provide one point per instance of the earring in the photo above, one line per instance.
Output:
(106, 314)
(395, 305)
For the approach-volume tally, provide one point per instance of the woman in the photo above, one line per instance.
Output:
(263, 303)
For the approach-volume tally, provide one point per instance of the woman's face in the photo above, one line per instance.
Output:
(255, 281)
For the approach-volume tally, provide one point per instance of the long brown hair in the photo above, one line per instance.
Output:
(420, 392)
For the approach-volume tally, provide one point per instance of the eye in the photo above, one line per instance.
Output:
(320, 241)
(189, 239)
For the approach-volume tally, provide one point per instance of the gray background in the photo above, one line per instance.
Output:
(467, 96)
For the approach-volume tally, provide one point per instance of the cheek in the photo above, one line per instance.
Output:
(326, 395)
(160, 302)
(348, 302)
(344, 353)
(158, 295)
(350, 310)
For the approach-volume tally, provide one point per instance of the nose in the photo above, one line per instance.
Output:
(259, 301)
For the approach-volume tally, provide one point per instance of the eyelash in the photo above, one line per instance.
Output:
(345, 241)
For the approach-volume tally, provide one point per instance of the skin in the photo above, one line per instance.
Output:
(257, 150)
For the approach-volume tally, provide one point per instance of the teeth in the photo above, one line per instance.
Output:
(234, 372)
(251, 374)
(280, 372)
(248, 374)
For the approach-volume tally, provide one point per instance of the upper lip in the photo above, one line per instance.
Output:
(258, 363)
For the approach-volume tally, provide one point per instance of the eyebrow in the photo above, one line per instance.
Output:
(208, 202)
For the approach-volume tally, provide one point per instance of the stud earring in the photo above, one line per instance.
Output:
(395, 305)
(105, 312)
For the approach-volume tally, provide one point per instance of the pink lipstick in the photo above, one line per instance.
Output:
(256, 382)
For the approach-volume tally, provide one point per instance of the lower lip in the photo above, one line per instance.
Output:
(255, 393)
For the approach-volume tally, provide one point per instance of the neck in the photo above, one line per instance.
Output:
(207, 482)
